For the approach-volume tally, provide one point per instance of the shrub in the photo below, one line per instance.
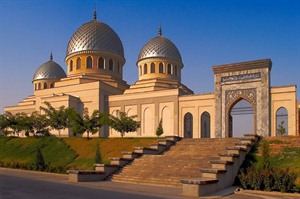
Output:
(39, 161)
(159, 130)
(282, 180)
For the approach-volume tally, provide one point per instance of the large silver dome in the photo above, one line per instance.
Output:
(49, 70)
(95, 35)
(160, 47)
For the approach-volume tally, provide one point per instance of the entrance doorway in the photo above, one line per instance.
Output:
(241, 119)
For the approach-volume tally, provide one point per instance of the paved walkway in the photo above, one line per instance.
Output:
(31, 184)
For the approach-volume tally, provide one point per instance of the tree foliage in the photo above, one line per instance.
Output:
(159, 130)
(59, 119)
(87, 123)
(123, 123)
(40, 124)
(39, 161)
(4, 124)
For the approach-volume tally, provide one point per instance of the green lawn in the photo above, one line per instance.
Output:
(74, 153)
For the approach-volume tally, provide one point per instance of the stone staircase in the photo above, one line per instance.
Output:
(182, 161)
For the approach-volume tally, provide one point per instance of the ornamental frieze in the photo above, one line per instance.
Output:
(232, 95)
(240, 77)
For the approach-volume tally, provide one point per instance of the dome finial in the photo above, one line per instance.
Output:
(95, 13)
(159, 31)
(51, 56)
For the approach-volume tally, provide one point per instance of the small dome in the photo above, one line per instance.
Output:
(160, 47)
(49, 70)
(95, 36)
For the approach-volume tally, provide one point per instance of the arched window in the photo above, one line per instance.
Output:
(78, 63)
(39, 86)
(281, 122)
(145, 69)
(71, 65)
(161, 67)
(169, 69)
(205, 125)
(152, 68)
(45, 85)
(175, 70)
(51, 85)
(101, 62)
(110, 64)
(188, 125)
(89, 62)
(119, 69)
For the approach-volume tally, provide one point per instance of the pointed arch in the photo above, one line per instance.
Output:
(169, 69)
(78, 63)
(52, 85)
(39, 86)
(166, 120)
(71, 65)
(110, 64)
(152, 68)
(175, 70)
(145, 69)
(205, 125)
(282, 122)
(89, 62)
(100, 63)
(161, 67)
(148, 122)
(241, 116)
(188, 125)
(45, 85)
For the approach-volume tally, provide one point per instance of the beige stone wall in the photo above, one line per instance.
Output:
(197, 105)
(285, 97)
(149, 107)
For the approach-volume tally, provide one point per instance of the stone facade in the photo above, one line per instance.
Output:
(245, 80)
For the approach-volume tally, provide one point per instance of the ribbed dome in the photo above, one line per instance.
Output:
(160, 47)
(95, 36)
(49, 70)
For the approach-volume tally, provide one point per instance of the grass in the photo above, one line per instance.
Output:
(23, 150)
(285, 153)
(109, 147)
(77, 153)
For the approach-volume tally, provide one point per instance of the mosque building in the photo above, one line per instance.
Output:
(94, 80)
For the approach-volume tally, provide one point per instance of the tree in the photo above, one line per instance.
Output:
(58, 119)
(281, 130)
(159, 130)
(18, 122)
(40, 123)
(123, 123)
(39, 160)
(4, 124)
(87, 123)
(98, 159)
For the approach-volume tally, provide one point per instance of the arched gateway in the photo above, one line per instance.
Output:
(246, 80)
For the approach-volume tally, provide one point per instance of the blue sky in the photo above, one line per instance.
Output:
(206, 32)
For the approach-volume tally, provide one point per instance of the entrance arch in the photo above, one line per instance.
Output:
(205, 125)
(241, 118)
(188, 125)
(281, 122)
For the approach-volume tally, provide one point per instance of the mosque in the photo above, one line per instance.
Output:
(94, 80)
